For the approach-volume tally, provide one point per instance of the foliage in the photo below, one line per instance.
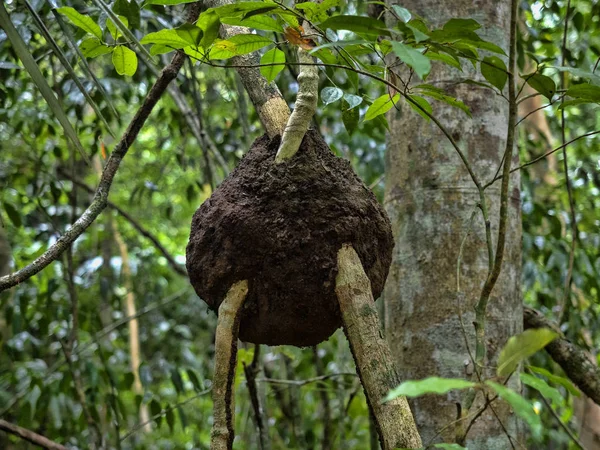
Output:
(170, 174)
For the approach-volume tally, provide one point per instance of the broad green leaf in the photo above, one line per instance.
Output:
(353, 100)
(585, 91)
(92, 48)
(422, 106)
(331, 94)
(418, 34)
(575, 102)
(380, 106)
(130, 10)
(86, 23)
(461, 25)
(519, 404)
(190, 33)
(445, 58)
(238, 45)
(170, 416)
(494, 70)
(198, 386)
(159, 49)
(413, 58)
(177, 381)
(210, 24)
(403, 13)
(522, 346)
(265, 23)
(195, 54)
(316, 11)
(432, 385)
(124, 60)
(155, 410)
(562, 381)
(356, 24)
(449, 446)
(273, 56)
(170, 38)
(167, 2)
(542, 84)
(542, 387)
(350, 117)
(112, 28)
(244, 9)
(447, 99)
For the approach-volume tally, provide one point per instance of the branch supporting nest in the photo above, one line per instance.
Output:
(373, 358)
(228, 325)
(306, 106)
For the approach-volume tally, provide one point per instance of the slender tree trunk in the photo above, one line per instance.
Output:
(430, 200)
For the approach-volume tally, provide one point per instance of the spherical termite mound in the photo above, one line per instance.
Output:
(280, 226)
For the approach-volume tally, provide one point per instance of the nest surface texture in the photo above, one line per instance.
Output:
(280, 226)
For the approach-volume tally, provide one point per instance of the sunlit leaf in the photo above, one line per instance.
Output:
(112, 28)
(522, 346)
(275, 58)
(421, 106)
(190, 33)
(86, 23)
(238, 45)
(265, 23)
(562, 381)
(542, 387)
(403, 13)
(432, 385)
(169, 38)
(380, 106)
(92, 48)
(124, 60)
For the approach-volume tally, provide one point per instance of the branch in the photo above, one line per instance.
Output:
(30, 436)
(572, 359)
(100, 200)
(306, 106)
(135, 224)
(374, 362)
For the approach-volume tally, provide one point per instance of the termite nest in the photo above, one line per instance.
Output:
(280, 227)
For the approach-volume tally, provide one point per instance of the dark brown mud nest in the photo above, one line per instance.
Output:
(280, 226)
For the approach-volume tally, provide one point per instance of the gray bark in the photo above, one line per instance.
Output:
(430, 199)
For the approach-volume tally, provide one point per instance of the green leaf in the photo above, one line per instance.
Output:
(243, 9)
(170, 38)
(413, 58)
(542, 387)
(273, 56)
(446, 99)
(265, 23)
(494, 70)
(155, 410)
(418, 34)
(158, 49)
(585, 91)
(238, 45)
(13, 214)
(170, 416)
(210, 24)
(542, 84)
(124, 60)
(350, 117)
(522, 346)
(423, 107)
(403, 13)
(353, 100)
(356, 24)
(331, 95)
(112, 28)
(593, 77)
(86, 23)
(195, 381)
(562, 381)
(449, 446)
(445, 58)
(432, 385)
(190, 33)
(520, 405)
(92, 48)
(177, 381)
(461, 25)
(380, 106)
(129, 9)
(32, 398)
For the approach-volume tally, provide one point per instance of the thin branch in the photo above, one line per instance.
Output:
(30, 436)
(135, 224)
(307, 380)
(251, 370)
(100, 201)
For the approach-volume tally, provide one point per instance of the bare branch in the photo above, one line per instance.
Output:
(30, 436)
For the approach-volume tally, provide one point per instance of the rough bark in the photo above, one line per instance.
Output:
(228, 325)
(573, 360)
(374, 363)
(430, 198)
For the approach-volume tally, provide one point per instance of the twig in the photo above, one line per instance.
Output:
(306, 381)
(251, 370)
(99, 203)
(30, 436)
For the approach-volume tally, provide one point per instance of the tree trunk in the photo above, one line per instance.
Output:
(430, 199)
